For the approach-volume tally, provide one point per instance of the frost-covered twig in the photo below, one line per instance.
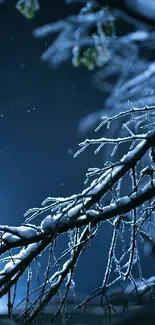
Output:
(122, 191)
(87, 209)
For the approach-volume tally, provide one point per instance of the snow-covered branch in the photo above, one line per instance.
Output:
(103, 200)
(121, 193)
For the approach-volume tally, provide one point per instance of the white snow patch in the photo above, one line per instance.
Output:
(26, 232)
(48, 224)
(10, 238)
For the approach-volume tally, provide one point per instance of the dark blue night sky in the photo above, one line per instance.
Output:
(40, 109)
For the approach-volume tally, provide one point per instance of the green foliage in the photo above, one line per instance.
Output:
(91, 57)
(28, 8)
(97, 54)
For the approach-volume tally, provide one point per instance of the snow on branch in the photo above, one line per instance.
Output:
(79, 216)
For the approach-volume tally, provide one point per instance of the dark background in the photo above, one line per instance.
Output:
(40, 109)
